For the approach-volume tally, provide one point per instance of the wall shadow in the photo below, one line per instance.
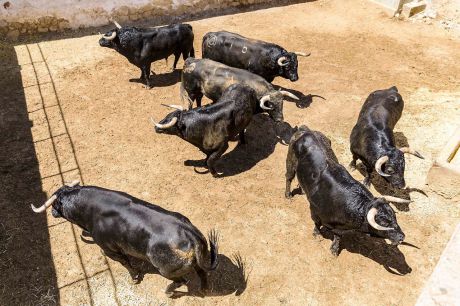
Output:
(262, 135)
(27, 270)
(376, 249)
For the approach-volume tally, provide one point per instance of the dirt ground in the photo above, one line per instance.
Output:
(80, 94)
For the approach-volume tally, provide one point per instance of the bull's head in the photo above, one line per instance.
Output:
(382, 220)
(272, 103)
(53, 201)
(288, 65)
(391, 166)
(110, 39)
(169, 124)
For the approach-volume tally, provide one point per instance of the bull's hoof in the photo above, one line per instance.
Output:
(335, 252)
(169, 294)
(352, 166)
(216, 174)
(367, 182)
(288, 195)
(316, 232)
(136, 279)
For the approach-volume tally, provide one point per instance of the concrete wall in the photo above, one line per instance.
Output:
(21, 17)
(392, 6)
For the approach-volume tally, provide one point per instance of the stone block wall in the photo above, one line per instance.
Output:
(25, 17)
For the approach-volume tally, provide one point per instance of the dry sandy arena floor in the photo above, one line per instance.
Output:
(69, 112)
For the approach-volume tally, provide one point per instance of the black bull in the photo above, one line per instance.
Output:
(143, 46)
(210, 128)
(126, 227)
(259, 57)
(372, 139)
(206, 77)
(337, 201)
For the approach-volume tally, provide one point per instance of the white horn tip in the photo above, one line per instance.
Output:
(35, 209)
(73, 183)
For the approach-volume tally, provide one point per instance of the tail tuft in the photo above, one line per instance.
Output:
(213, 237)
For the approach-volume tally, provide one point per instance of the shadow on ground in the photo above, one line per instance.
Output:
(376, 249)
(230, 277)
(162, 80)
(262, 135)
(27, 274)
(304, 100)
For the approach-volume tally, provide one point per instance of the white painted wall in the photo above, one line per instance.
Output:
(78, 12)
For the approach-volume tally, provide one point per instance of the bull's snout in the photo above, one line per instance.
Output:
(104, 42)
(55, 213)
(294, 78)
(158, 130)
(400, 185)
(399, 237)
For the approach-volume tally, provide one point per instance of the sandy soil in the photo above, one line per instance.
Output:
(103, 136)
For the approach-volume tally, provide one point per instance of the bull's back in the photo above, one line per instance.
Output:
(337, 198)
(229, 48)
(238, 51)
(132, 226)
(172, 39)
(214, 77)
(375, 124)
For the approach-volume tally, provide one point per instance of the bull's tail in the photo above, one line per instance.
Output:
(205, 261)
(184, 95)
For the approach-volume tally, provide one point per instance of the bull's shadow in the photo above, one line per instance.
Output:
(376, 249)
(383, 187)
(162, 80)
(230, 277)
(262, 135)
(304, 100)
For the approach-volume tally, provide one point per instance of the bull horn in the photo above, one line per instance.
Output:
(44, 206)
(111, 37)
(371, 220)
(179, 107)
(288, 94)
(302, 54)
(73, 183)
(116, 24)
(411, 151)
(396, 200)
(262, 102)
(378, 165)
(166, 125)
(281, 61)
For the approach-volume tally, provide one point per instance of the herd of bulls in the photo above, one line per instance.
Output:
(236, 74)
